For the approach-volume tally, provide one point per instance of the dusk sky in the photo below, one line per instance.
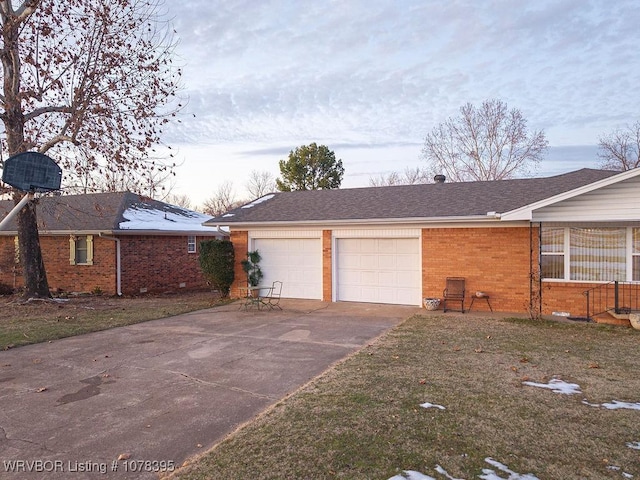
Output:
(370, 79)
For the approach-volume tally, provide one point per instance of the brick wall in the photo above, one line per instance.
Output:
(566, 297)
(492, 260)
(155, 263)
(495, 260)
(327, 274)
(10, 272)
(61, 275)
(240, 240)
(159, 264)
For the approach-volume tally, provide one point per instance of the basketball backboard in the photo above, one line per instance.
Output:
(32, 172)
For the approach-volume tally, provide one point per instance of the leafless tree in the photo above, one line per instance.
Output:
(620, 150)
(181, 200)
(410, 176)
(486, 143)
(89, 82)
(260, 183)
(222, 200)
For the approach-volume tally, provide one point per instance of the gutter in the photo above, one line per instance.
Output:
(489, 217)
(118, 262)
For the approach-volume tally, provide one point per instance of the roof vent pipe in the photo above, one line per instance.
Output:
(439, 178)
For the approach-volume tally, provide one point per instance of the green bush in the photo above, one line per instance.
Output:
(252, 269)
(216, 261)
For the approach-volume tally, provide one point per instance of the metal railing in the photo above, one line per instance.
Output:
(617, 297)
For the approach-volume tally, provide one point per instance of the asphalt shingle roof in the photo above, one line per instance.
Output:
(454, 199)
(98, 212)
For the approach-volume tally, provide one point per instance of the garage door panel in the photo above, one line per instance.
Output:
(296, 262)
(406, 263)
(387, 262)
(388, 278)
(379, 270)
(369, 261)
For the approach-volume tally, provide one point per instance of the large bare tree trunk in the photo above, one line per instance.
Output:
(33, 271)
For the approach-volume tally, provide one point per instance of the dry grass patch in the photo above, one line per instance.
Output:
(363, 419)
(39, 321)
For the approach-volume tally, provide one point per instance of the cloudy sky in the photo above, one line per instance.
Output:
(370, 78)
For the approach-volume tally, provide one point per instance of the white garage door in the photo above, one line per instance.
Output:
(297, 262)
(379, 270)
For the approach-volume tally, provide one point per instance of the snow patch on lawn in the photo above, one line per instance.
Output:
(557, 386)
(614, 405)
(487, 473)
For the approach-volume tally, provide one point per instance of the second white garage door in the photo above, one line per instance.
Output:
(297, 262)
(379, 270)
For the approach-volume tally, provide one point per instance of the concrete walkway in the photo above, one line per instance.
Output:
(158, 392)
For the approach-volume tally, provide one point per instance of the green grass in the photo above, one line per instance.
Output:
(363, 420)
(41, 321)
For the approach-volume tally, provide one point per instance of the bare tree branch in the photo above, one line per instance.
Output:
(410, 176)
(222, 200)
(260, 184)
(620, 150)
(485, 143)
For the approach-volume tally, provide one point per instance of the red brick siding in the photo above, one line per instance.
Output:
(496, 260)
(61, 275)
(493, 260)
(566, 297)
(327, 274)
(10, 273)
(159, 264)
(240, 240)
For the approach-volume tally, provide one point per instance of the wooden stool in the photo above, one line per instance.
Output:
(480, 295)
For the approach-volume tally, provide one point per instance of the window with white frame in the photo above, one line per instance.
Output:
(81, 249)
(552, 249)
(595, 254)
(191, 244)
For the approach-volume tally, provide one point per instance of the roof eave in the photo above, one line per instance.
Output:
(360, 221)
(209, 232)
(526, 212)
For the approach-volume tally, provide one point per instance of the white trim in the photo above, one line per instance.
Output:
(284, 233)
(377, 233)
(329, 224)
(526, 212)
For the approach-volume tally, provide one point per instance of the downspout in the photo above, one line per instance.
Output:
(530, 267)
(118, 263)
(535, 272)
(539, 267)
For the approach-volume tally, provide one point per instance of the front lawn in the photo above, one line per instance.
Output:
(43, 320)
(455, 397)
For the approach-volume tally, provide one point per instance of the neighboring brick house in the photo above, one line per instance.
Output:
(116, 243)
(398, 244)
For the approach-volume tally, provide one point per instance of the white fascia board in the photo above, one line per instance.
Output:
(526, 212)
(168, 233)
(361, 222)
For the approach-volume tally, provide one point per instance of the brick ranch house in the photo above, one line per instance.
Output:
(535, 243)
(116, 243)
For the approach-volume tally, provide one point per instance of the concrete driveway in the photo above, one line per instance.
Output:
(159, 392)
